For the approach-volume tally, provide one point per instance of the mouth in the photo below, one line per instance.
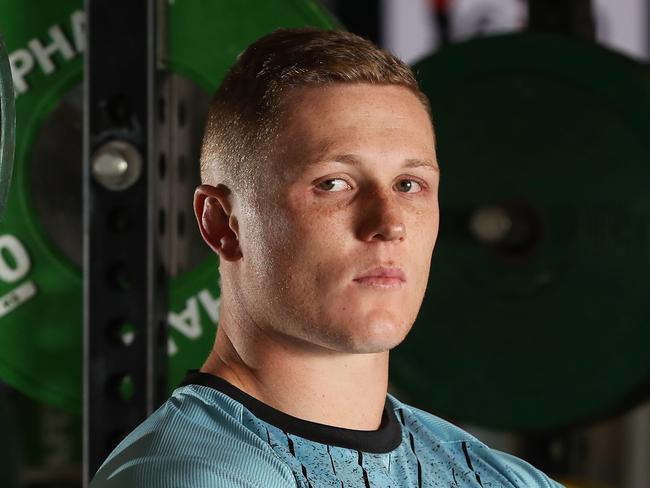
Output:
(382, 277)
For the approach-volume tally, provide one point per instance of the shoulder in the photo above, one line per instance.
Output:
(194, 439)
(481, 459)
(522, 472)
(422, 421)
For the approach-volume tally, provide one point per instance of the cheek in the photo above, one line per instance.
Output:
(314, 258)
(313, 225)
(289, 243)
(427, 225)
(424, 237)
(264, 242)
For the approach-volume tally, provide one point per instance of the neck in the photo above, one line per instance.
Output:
(303, 380)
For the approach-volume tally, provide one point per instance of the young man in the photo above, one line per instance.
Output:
(319, 195)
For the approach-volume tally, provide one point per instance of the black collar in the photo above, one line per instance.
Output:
(382, 440)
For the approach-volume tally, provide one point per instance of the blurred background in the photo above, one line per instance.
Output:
(535, 328)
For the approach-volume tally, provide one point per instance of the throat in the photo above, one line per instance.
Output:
(344, 390)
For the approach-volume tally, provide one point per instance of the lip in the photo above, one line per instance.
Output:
(382, 276)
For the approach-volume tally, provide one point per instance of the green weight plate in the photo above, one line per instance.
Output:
(548, 325)
(46, 444)
(7, 126)
(40, 279)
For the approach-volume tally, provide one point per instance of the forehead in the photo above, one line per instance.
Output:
(343, 116)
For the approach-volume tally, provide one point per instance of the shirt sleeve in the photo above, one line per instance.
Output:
(183, 472)
(524, 474)
(191, 443)
(174, 450)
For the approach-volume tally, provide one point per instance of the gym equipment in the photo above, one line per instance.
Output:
(536, 287)
(8, 458)
(536, 305)
(40, 236)
(7, 141)
(46, 444)
(7, 126)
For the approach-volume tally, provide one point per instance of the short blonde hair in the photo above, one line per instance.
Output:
(245, 112)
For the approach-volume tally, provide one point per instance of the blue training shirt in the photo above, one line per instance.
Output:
(210, 434)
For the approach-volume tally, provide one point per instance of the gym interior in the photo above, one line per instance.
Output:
(537, 284)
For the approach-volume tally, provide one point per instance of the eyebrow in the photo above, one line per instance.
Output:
(419, 163)
(355, 161)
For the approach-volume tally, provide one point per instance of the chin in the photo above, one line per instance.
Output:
(373, 335)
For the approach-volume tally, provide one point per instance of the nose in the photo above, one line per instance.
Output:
(381, 218)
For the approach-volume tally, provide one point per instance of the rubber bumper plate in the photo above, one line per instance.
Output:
(40, 233)
(537, 313)
(7, 126)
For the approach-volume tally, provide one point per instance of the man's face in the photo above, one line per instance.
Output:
(337, 245)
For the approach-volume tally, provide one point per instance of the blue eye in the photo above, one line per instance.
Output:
(333, 184)
(408, 186)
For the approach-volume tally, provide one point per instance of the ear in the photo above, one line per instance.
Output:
(219, 227)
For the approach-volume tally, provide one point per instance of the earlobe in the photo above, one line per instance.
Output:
(216, 223)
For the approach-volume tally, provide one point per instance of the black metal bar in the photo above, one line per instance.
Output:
(125, 281)
(440, 10)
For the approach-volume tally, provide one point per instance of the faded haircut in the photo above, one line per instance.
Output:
(245, 113)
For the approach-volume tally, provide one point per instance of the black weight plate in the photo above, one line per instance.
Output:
(552, 328)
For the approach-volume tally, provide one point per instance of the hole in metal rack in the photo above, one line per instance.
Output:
(118, 220)
(118, 110)
(161, 275)
(126, 388)
(121, 387)
(180, 223)
(119, 277)
(182, 169)
(162, 218)
(162, 332)
(123, 332)
(162, 166)
(56, 169)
